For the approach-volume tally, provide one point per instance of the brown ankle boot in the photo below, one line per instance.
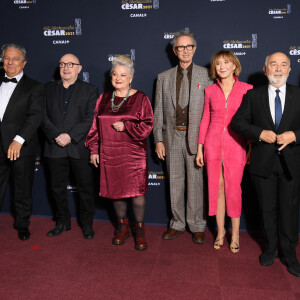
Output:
(140, 240)
(122, 232)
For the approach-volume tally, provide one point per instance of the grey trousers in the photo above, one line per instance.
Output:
(183, 173)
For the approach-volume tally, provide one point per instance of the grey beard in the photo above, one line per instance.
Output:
(280, 82)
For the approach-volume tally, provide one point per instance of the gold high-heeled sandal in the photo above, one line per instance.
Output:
(218, 246)
(237, 247)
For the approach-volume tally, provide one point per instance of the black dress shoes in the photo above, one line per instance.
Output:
(23, 233)
(266, 259)
(293, 267)
(88, 232)
(59, 229)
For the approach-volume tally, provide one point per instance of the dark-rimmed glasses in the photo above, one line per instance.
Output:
(68, 64)
(187, 47)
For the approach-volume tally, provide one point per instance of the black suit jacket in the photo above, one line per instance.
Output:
(23, 116)
(254, 116)
(76, 122)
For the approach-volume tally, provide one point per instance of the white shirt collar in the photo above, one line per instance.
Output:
(18, 77)
(273, 88)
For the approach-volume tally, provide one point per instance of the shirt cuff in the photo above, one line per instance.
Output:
(19, 139)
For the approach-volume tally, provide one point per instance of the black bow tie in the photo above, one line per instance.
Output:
(5, 79)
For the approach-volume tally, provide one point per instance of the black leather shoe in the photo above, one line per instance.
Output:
(293, 268)
(23, 233)
(266, 259)
(59, 229)
(88, 232)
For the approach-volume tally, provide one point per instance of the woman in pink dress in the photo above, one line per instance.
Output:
(117, 141)
(224, 150)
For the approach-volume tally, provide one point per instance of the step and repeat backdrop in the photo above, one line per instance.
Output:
(98, 30)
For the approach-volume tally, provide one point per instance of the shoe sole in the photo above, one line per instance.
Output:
(50, 235)
(220, 246)
(88, 237)
(199, 242)
(140, 248)
(121, 243)
(24, 238)
(173, 237)
(266, 264)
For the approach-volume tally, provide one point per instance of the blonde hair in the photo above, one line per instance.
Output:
(226, 54)
(123, 60)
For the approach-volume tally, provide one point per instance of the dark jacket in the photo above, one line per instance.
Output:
(76, 122)
(254, 116)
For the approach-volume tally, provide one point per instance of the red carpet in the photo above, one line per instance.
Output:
(70, 267)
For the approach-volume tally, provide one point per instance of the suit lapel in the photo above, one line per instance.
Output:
(288, 107)
(58, 91)
(266, 105)
(172, 85)
(195, 80)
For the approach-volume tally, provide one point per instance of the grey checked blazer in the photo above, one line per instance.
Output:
(165, 106)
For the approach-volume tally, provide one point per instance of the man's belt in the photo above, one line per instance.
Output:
(181, 128)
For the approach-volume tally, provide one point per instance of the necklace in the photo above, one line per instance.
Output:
(115, 108)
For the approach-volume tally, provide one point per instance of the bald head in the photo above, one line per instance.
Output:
(69, 69)
(69, 57)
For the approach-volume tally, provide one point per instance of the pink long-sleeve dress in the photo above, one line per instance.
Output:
(123, 155)
(223, 145)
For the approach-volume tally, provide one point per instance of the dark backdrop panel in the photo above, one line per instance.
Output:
(96, 31)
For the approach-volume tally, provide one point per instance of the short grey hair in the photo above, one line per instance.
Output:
(14, 46)
(267, 58)
(125, 61)
(183, 33)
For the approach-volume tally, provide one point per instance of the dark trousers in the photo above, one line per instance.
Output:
(59, 171)
(279, 203)
(22, 171)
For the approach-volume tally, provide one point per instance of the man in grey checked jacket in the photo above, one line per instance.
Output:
(178, 110)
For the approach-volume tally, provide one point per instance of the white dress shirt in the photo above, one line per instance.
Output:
(6, 90)
(272, 96)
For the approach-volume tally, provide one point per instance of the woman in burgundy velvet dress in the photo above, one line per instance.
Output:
(224, 150)
(117, 141)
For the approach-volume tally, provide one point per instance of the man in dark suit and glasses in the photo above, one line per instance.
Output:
(68, 117)
(21, 107)
(270, 117)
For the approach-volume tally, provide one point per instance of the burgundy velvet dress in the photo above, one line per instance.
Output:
(223, 145)
(123, 155)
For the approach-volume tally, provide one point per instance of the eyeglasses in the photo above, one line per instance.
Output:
(187, 47)
(69, 65)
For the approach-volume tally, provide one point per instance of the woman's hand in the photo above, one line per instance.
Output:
(118, 126)
(94, 160)
(199, 156)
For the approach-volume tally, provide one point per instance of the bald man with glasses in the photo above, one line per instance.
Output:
(68, 117)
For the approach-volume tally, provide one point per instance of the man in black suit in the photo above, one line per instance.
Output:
(21, 108)
(270, 117)
(68, 117)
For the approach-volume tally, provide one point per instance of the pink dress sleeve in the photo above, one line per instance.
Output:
(92, 139)
(205, 119)
(139, 130)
